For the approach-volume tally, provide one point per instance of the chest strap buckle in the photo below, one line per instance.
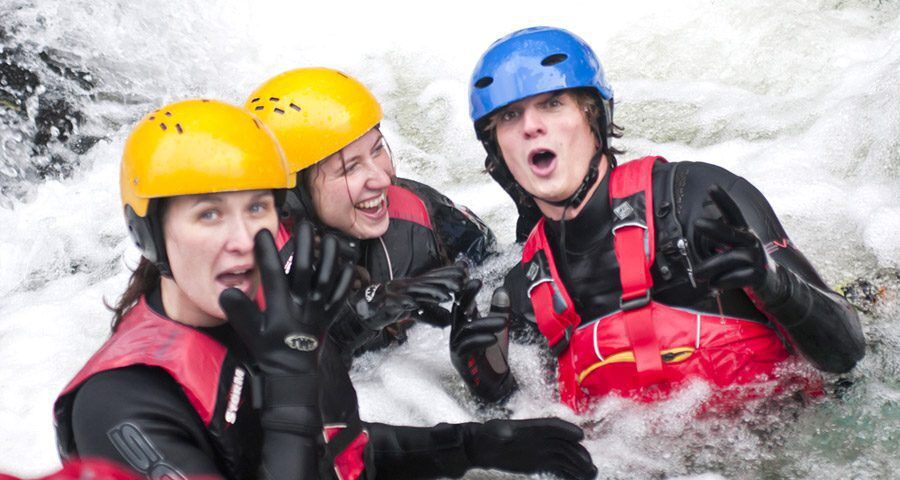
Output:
(635, 302)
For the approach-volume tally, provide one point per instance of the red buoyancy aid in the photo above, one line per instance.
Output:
(194, 360)
(646, 348)
(406, 205)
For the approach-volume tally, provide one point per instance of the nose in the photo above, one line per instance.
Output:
(532, 123)
(239, 238)
(379, 178)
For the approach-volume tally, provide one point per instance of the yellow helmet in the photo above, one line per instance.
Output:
(194, 147)
(314, 112)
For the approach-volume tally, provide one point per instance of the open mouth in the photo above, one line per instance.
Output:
(542, 160)
(241, 278)
(372, 206)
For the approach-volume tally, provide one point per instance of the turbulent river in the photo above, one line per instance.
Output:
(801, 98)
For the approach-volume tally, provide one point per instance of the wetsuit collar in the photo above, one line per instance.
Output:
(592, 223)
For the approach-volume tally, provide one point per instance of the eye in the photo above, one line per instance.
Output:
(554, 102)
(349, 167)
(208, 215)
(259, 207)
(508, 115)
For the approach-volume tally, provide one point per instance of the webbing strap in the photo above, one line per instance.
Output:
(634, 246)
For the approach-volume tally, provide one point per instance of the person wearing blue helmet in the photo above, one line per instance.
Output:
(639, 277)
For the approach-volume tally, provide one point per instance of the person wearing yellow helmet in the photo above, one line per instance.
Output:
(329, 126)
(201, 183)
(196, 379)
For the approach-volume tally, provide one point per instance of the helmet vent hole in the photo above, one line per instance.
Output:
(163, 126)
(259, 107)
(152, 117)
(484, 82)
(273, 99)
(554, 59)
(168, 114)
(295, 107)
(278, 111)
(254, 100)
(178, 127)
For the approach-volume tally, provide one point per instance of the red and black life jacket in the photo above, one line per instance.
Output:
(645, 349)
(211, 380)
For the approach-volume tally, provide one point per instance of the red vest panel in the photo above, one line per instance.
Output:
(646, 348)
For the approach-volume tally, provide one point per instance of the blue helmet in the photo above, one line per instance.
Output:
(533, 61)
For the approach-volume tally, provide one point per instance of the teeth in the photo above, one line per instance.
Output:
(371, 203)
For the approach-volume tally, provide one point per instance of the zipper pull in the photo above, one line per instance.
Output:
(683, 249)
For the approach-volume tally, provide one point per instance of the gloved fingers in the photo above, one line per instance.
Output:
(723, 234)
(301, 266)
(730, 210)
(722, 263)
(241, 312)
(464, 305)
(342, 286)
(448, 284)
(491, 324)
(428, 293)
(434, 315)
(271, 271)
(570, 463)
(500, 301)
(474, 343)
(553, 427)
(326, 275)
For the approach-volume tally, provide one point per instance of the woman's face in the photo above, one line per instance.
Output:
(209, 243)
(349, 188)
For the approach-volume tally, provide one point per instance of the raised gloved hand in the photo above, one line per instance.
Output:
(284, 339)
(540, 445)
(378, 305)
(479, 346)
(731, 255)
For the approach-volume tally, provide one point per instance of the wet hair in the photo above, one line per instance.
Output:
(144, 279)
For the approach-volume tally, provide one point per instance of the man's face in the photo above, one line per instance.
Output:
(547, 144)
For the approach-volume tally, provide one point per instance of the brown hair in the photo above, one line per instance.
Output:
(144, 279)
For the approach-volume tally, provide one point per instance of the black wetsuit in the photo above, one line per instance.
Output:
(408, 249)
(821, 324)
(139, 416)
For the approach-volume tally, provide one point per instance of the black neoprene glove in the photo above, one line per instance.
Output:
(284, 339)
(479, 346)
(731, 255)
(540, 445)
(376, 306)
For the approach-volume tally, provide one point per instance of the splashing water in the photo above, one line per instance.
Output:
(801, 98)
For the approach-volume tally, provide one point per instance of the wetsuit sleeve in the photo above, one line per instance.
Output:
(140, 418)
(820, 323)
(461, 232)
(418, 452)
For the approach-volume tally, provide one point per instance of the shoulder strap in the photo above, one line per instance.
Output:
(405, 205)
(631, 198)
(553, 307)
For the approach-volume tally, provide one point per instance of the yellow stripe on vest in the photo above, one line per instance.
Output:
(671, 355)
